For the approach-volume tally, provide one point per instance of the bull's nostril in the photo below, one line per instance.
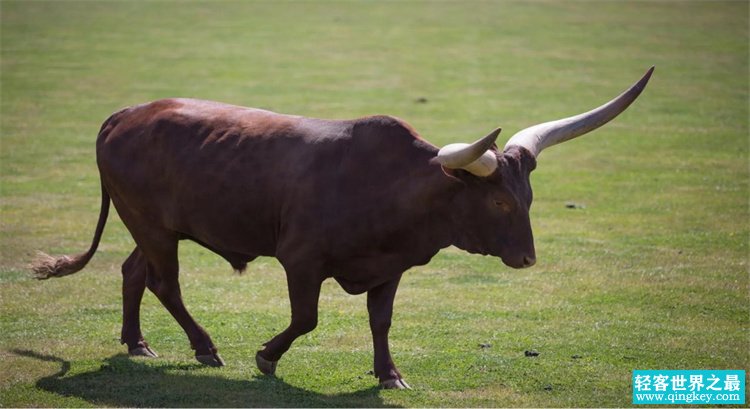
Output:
(529, 261)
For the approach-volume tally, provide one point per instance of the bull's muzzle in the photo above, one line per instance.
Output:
(519, 260)
(529, 261)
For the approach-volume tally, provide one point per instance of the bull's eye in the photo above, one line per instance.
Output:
(504, 206)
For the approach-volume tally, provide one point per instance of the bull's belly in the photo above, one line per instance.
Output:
(230, 239)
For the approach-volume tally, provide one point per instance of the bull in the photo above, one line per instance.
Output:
(360, 201)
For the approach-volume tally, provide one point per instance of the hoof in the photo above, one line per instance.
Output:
(143, 351)
(210, 359)
(395, 384)
(265, 366)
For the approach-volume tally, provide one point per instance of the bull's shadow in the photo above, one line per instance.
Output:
(124, 382)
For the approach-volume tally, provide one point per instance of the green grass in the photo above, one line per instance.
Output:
(651, 274)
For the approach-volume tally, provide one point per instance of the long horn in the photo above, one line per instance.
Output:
(475, 158)
(538, 137)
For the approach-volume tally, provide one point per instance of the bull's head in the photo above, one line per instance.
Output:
(494, 209)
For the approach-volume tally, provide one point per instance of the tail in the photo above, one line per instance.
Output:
(45, 266)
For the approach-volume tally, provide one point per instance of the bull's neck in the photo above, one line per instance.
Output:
(450, 229)
(430, 197)
(444, 188)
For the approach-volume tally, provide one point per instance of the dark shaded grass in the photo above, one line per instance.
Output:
(123, 382)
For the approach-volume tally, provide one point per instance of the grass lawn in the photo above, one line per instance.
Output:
(650, 272)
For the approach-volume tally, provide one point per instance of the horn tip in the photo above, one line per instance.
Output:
(647, 76)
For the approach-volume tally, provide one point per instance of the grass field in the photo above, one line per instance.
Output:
(650, 273)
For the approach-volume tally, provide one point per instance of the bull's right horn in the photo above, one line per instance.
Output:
(541, 136)
(476, 158)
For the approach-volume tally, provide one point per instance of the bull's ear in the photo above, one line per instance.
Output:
(462, 176)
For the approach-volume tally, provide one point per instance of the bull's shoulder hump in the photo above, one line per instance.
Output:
(389, 127)
(385, 122)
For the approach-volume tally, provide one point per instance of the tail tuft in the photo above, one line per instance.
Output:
(45, 266)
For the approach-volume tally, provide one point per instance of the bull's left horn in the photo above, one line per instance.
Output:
(541, 136)
(475, 158)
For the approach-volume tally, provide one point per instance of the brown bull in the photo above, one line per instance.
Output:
(360, 201)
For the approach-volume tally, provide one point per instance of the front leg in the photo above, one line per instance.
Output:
(304, 291)
(380, 307)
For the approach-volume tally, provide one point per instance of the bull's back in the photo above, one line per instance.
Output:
(220, 174)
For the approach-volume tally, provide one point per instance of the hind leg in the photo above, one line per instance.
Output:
(160, 250)
(133, 285)
(157, 251)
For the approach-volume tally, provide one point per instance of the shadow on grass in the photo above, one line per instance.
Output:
(125, 382)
